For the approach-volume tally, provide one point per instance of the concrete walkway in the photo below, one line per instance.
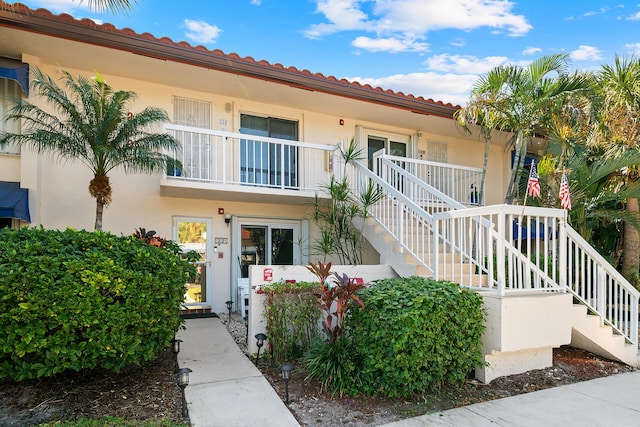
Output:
(610, 401)
(227, 390)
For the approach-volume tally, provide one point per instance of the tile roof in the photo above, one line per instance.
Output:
(86, 30)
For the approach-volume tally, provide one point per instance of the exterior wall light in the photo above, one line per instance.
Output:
(285, 371)
(183, 382)
(260, 338)
(227, 219)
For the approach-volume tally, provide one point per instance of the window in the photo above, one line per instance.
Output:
(437, 151)
(9, 90)
(268, 163)
(196, 147)
(191, 112)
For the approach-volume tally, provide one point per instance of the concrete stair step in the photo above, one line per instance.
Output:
(589, 334)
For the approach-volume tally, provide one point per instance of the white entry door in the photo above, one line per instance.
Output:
(191, 234)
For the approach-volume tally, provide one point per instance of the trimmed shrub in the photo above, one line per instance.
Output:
(416, 334)
(74, 300)
(293, 318)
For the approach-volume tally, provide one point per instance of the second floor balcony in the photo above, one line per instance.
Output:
(223, 165)
(235, 166)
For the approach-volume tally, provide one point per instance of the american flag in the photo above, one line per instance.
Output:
(533, 186)
(565, 197)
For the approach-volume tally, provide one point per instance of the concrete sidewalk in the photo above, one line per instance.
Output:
(227, 390)
(610, 401)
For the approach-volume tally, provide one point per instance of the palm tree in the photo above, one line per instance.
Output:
(113, 5)
(92, 124)
(618, 87)
(478, 112)
(520, 100)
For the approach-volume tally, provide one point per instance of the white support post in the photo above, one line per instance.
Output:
(562, 262)
(500, 254)
(601, 297)
(436, 252)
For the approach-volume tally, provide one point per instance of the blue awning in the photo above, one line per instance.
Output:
(15, 70)
(14, 201)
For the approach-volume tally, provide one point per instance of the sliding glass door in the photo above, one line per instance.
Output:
(268, 163)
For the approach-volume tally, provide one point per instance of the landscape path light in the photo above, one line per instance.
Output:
(183, 382)
(260, 338)
(285, 371)
(246, 324)
(175, 345)
(229, 304)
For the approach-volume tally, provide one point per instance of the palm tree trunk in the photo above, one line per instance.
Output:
(631, 246)
(487, 140)
(99, 210)
(518, 159)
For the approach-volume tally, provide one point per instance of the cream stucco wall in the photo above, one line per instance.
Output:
(59, 195)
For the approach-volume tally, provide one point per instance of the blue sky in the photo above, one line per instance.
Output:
(430, 48)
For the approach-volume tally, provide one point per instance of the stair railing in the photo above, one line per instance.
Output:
(518, 248)
(482, 249)
(598, 285)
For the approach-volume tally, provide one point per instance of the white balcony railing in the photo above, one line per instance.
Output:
(220, 157)
(461, 183)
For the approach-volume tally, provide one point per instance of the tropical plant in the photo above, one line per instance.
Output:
(91, 123)
(338, 235)
(112, 5)
(521, 100)
(337, 294)
(477, 112)
(618, 87)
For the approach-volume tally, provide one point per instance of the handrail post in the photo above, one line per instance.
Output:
(224, 156)
(500, 265)
(400, 226)
(563, 251)
(601, 297)
(436, 252)
(634, 321)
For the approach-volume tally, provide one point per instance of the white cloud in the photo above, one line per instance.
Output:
(59, 6)
(392, 45)
(597, 12)
(448, 88)
(634, 48)
(531, 51)
(634, 17)
(414, 19)
(459, 42)
(343, 15)
(464, 63)
(201, 32)
(584, 53)
(256, 2)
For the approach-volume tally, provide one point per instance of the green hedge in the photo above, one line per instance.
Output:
(415, 334)
(74, 300)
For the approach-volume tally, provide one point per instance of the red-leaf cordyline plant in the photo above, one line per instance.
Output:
(337, 294)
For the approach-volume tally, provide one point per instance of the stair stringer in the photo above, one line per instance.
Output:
(589, 334)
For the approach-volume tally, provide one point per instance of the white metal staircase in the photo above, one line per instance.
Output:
(420, 230)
